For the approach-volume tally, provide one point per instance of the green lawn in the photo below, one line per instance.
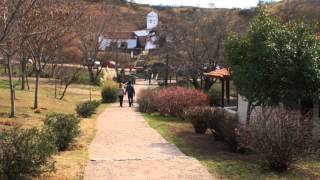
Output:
(220, 162)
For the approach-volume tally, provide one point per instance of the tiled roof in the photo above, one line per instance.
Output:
(219, 73)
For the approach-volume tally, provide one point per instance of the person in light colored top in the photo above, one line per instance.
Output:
(121, 93)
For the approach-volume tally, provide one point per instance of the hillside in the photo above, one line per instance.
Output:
(128, 16)
(124, 17)
(296, 9)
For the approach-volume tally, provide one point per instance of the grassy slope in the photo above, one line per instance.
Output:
(221, 163)
(70, 164)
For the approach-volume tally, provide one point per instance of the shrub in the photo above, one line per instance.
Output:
(198, 116)
(25, 154)
(214, 94)
(278, 136)
(63, 127)
(87, 108)
(185, 83)
(224, 127)
(228, 125)
(173, 100)
(146, 100)
(214, 122)
(109, 92)
(83, 78)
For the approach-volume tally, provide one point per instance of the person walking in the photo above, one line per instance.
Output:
(131, 93)
(121, 93)
(149, 76)
(145, 75)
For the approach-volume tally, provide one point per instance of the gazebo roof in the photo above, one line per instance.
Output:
(219, 73)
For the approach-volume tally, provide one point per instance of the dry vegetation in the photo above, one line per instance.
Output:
(296, 9)
(70, 164)
(220, 162)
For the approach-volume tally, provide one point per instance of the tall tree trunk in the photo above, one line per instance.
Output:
(167, 71)
(91, 75)
(249, 110)
(12, 93)
(23, 74)
(195, 82)
(55, 83)
(208, 82)
(27, 82)
(36, 92)
(55, 88)
(117, 73)
(64, 91)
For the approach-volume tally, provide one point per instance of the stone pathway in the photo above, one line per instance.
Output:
(126, 148)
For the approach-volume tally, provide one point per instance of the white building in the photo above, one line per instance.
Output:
(126, 40)
(152, 20)
(145, 38)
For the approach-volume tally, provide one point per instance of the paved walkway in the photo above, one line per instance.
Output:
(126, 148)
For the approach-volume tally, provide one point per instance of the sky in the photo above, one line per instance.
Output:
(204, 3)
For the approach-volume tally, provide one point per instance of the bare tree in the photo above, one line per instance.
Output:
(67, 77)
(197, 43)
(8, 51)
(90, 33)
(11, 12)
(25, 29)
(53, 21)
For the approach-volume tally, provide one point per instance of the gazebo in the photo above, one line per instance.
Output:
(224, 76)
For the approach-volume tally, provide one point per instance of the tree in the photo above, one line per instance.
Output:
(68, 76)
(275, 63)
(25, 29)
(53, 21)
(11, 11)
(196, 43)
(92, 28)
(8, 52)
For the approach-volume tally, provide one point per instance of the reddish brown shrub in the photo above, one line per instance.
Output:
(198, 117)
(173, 100)
(278, 136)
(146, 100)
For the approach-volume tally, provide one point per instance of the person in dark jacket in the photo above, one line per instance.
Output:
(131, 93)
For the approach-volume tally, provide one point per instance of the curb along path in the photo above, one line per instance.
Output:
(126, 148)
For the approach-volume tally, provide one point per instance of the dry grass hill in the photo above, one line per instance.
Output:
(123, 16)
(293, 9)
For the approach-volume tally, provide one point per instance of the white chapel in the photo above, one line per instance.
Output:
(152, 20)
(143, 38)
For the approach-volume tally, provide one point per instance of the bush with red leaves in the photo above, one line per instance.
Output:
(173, 100)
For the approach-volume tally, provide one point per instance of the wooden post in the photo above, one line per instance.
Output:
(222, 92)
(201, 82)
(167, 71)
(228, 90)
